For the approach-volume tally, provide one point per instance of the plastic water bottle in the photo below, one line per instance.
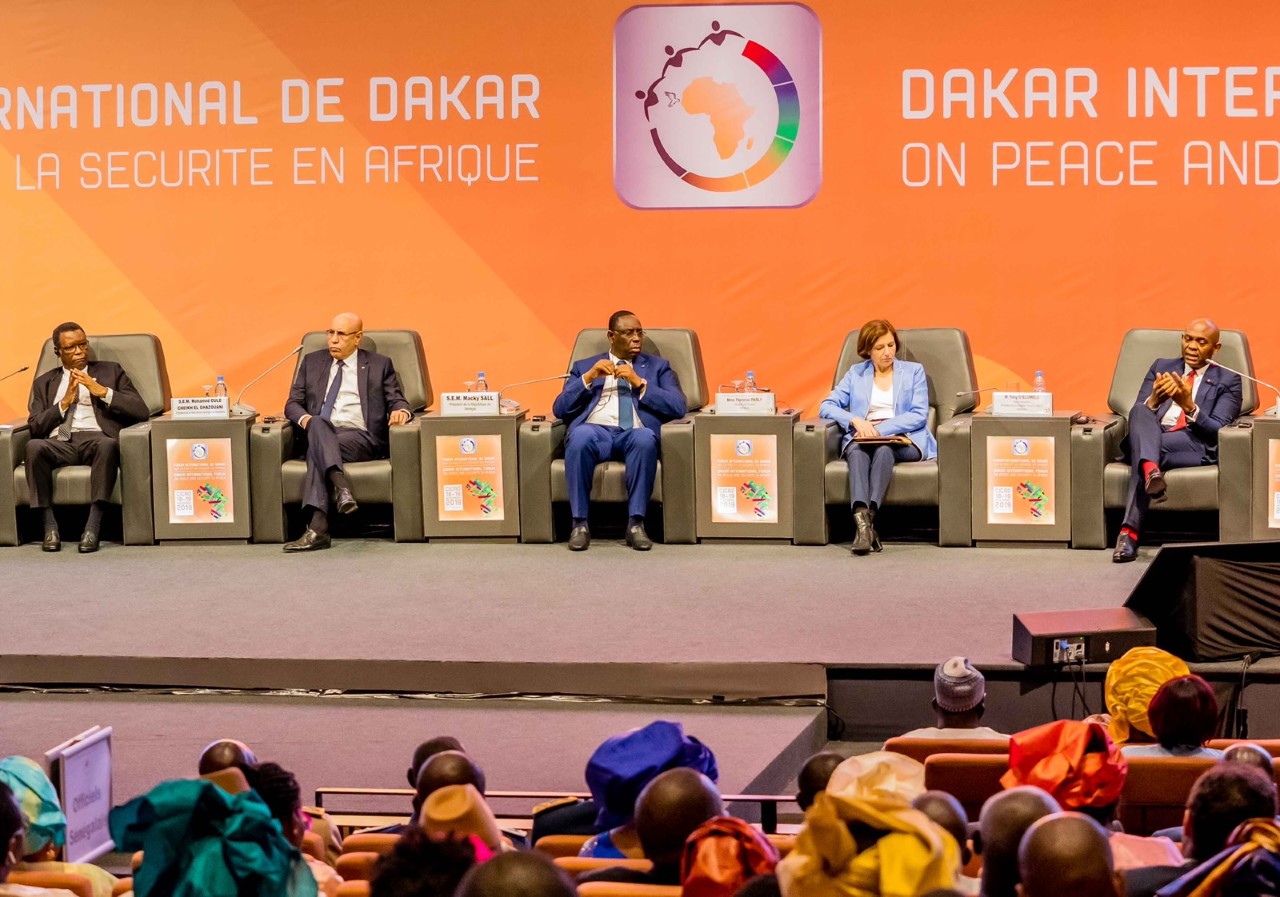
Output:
(482, 385)
(220, 390)
(750, 384)
(1037, 385)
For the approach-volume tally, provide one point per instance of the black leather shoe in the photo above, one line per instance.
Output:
(1156, 486)
(864, 536)
(637, 538)
(346, 502)
(52, 541)
(89, 542)
(580, 539)
(309, 541)
(1126, 549)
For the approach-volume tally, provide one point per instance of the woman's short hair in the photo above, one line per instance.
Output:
(1184, 712)
(872, 331)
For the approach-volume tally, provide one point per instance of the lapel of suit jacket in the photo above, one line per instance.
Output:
(597, 386)
(866, 383)
(362, 370)
(898, 376)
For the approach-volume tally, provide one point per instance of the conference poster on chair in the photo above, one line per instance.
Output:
(200, 481)
(1020, 480)
(1273, 483)
(744, 478)
(469, 477)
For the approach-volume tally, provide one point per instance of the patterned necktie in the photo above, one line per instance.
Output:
(1181, 422)
(331, 398)
(626, 415)
(64, 428)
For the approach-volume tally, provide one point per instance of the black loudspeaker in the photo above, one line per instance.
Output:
(1078, 636)
(1213, 600)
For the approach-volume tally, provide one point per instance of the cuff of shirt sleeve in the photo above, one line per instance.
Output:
(111, 394)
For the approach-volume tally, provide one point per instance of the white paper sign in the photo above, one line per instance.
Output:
(200, 408)
(81, 770)
(730, 403)
(453, 404)
(1031, 404)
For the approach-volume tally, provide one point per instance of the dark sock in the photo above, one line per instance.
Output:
(50, 521)
(94, 523)
(339, 479)
(319, 523)
(635, 519)
(579, 521)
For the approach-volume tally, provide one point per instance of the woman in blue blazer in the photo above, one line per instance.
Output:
(881, 396)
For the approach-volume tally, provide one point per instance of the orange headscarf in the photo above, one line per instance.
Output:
(1075, 762)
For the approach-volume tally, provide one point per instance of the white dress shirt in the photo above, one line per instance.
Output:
(347, 412)
(1171, 416)
(82, 416)
(605, 413)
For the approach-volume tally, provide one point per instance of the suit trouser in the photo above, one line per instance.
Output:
(327, 448)
(871, 469)
(589, 444)
(1168, 449)
(100, 451)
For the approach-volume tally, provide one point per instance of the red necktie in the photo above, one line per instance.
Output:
(1181, 422)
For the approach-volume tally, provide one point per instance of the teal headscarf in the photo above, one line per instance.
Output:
(41, 812)
(198, 841)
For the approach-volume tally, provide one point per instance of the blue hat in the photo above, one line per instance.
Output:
(620, 768)
(41, 813)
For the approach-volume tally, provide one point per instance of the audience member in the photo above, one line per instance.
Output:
(423, 754)
(1183, 716)
(1250, 754)
(883, 774)
(1004, 819)
(1250, 867)
(454, 810)
(446, 768)
(814, 776)
(722, 856)
(959, 701)
(428, 749)
(11, 840)
(1132, 681)
(421, 866)
(279, 790)
(225, 754)
(522, 874)
(1067, 853)
(947, 813)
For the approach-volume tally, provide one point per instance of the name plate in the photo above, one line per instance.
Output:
(730, 403)
(200, 408)
(454, 404)
(1031, 404)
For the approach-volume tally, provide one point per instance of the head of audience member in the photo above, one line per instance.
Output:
(279, 790)
(1200, 340)
(344, 335)
(1221, 800)
(43, 822)
(959, 694)
(225, 754)
(669, 809)
(524, 873)
(1074, 761)
(1067, 853)
(1250, 754)
(722, 855)
(883, 777)
(1184, 713)
(1250, 867)
(446, 768)
(814, 776)
(1132, 681)
(947, 813)
(878, 343)
(428, 749)
(418, 864)
(1004, 819)
(458, 811)
(626, 335)
(12, 831)
(71, 345)
(622, 765)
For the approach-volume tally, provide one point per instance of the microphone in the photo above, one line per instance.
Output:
(25, 367)
(239, 409)
(515, 406)
(974, 392)
(1254, 379)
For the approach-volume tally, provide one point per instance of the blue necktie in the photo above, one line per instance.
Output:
(626, 417)
(331, 398)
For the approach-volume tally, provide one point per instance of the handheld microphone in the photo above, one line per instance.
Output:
(25, 367)
(1276, 410)
(246, 410)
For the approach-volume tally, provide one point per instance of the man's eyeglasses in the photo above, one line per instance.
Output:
(341, 333)
(74, 348)
(630, 333)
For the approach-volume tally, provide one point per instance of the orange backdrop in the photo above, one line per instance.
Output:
(500, 276)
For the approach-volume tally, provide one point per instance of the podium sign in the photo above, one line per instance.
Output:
(200, 480)
(200, 408)
(81, 771)
(744, 478)
(1024, 404)
(453, 404)
(469, 477)
(1273, 483)
(746, 403)
(1021, 488)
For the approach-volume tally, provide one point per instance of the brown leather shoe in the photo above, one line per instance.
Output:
(52, 541)
(309, 541)
(1126, 549)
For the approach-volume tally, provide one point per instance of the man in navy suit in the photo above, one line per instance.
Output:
(343, 400)
(1174, 423)
(615, 404)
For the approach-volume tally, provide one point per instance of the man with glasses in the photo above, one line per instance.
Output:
(77, 411)
(342, 401)
(615, 405)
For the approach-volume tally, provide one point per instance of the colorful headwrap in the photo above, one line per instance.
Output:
(621, 767)
(722, 855)
(881, 776)
(1132, 681)
(41, 812)
(1249, 865)
(1075, 762)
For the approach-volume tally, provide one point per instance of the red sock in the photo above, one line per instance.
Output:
(1148, 467)
(1130, 531)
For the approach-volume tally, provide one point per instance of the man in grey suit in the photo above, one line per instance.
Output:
(343, 400)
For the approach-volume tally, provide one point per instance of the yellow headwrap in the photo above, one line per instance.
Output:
(1132, 681)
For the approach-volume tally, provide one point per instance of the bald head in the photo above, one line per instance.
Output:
(946, 813)
(670, 809)
(225, 754)
(429, 749)
(1005, 818)
(344, 334)
(814, 776)
(1067, 853)
(446, 768)
(524, 873)
(1200, 340)
(1250, 754)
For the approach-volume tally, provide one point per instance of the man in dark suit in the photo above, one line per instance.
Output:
(615, 404)
(343, 400)
(76, 413)
(1174, 423)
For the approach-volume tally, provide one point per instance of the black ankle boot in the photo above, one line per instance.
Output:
(862, 539)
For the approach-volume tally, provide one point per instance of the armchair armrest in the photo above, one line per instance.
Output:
(955, 478)
(1235, 481)
(1094, 445)
(13, 451)
(406, 481)
(270, 445)
(539, 443)
(679, 496)
(815, 443)
(136, 509)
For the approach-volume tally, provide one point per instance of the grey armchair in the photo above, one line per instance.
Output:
(278, 471)
(1099, 481)
(542, 479)
(822, 475)
(142, 357)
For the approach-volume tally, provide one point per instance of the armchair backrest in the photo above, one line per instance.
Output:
(1143, 346)
(141, 356)
(678, 345)
(403, 347)
(948, 366)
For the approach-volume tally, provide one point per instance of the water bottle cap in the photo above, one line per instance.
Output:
(220, 377)
(1039, 373)
(480, 375)
(751, 373)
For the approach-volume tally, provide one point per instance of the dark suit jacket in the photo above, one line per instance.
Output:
(662, 401)
(127, 406)
(379, 390)
(1218, 398)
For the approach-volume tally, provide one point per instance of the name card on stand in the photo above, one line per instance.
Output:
(729, 403)
(455, 404)
(1030, 404)
(81, 771)
(200, 408)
